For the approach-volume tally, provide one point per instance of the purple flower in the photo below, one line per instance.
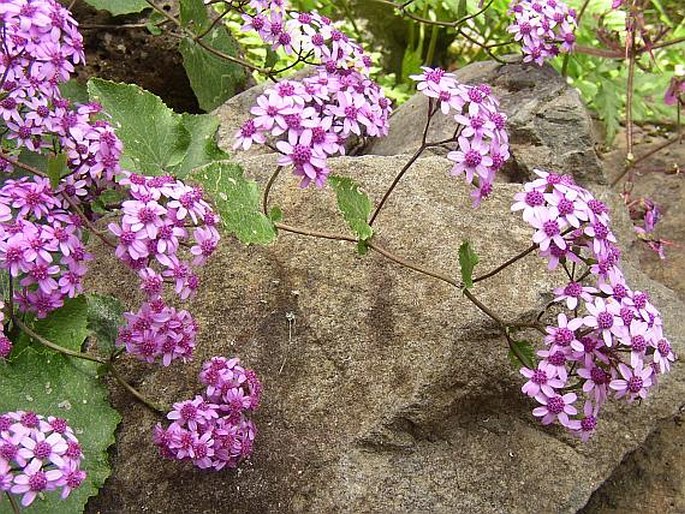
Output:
(540, 381)
(556, 407)
(606, 318)
(572, 292)
(549, 228)
(635, 382)
(472, 159)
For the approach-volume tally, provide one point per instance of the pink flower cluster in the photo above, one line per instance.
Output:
(543, 27)
(37, 455)
(163, 216)
(483, 143)
(41, 44)
(610, 343)
(311, 119)
(212, 430)
(40, 235)
(40, 245)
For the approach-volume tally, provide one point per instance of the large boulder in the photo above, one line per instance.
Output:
(548, 124)
(385, 390)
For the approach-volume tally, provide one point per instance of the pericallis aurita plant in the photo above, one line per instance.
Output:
(63, 179)
(67, 179)
(606, 341)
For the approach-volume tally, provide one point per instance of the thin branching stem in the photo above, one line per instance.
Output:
(21, 165)
(506, 264)
(629, 98)
(49, 344)
(646, 155)
(133, 391)
(84, 356)
(267, 190)
(13, 503)
(198, 40)
(432, 109)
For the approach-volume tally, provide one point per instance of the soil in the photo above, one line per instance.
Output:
(133, 55)
(652, 479)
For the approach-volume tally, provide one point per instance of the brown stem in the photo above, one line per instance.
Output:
(664, 44)
(267, 190)
(134, 392)
(87, 222)
(427, 21)
(21, 165)
(213, 24)
(376, 247)
(196, 39)
(13, 503)
(314, 233)
(80, 355)
(648, 154)
(504, 265)
(396, 181)
(403, 262)
(503, 327)
(482, 46)
(432, 109)
(514, 259)
(629, 97)
(599, 52)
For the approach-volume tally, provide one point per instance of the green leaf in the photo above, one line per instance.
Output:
(525, 357)
(153, 22)
(461, 9)
(609, 106)
(194, 15)
(354, 204)
(467, 261)
(154, 136)
(238, 202)
(56, 168)
(203, 148)
(66, 327)
(105, 316)
(276, 214)
(34, 159)
(48, 383)
(411, 63)
(362, 247)
(213, 78)
(271, 58)
(74, 91)
(117, 7)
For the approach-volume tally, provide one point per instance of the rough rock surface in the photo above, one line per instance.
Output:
(388, 392)
(549, 127)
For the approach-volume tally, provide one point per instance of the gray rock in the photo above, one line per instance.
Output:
(389, 392)
(548, 124)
